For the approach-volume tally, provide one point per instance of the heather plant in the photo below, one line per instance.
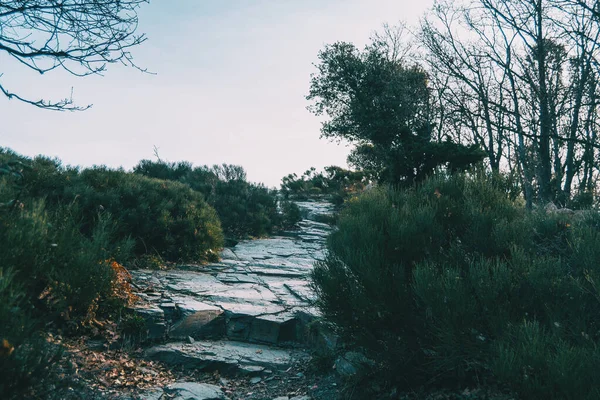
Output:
(50, 274)
(334, 183)
(244, 208)
(291, 213)
(26, 359)
(163, 218)
(453, 281)
(63, 234)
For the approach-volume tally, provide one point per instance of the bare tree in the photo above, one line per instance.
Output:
(521, 76)
(78, 36)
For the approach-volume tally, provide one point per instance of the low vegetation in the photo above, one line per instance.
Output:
(453, 282)
(334, 184)
(52, 277)
(158, 217)
(66, 234)
(244, 208)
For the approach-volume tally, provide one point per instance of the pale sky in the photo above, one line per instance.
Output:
(230, 86)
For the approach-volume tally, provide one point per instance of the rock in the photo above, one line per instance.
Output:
(281, 398)
(300, 398)
(352, 364)
(170, 310)
(255, 380)
(225, 356)
(154, 317)
(155, 394)
(198, 319)
(228, 254)
(190, 340)
(229, 277)
(260, 292)
(272, 329)
(251, 369)
(194, 391)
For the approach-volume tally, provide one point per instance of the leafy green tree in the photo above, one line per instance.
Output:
(381, 105)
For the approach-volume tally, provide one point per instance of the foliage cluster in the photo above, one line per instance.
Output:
(160, 217)
(244, 208)
(382, 105)
(335, 182)
(453, 281)
(64, 234)
(50, 274)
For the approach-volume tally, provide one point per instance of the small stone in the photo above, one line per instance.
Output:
(96, 345)
(300, 398)
(255, 380)
(147, 371)
(251, 369)
(190, 340)
(281, 398)
(192, 390)
(300, 375)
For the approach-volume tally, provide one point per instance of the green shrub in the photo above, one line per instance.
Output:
(452, 281)
(26, 359)
(244, 208)
(49, 274)
(63, 233)
(163, 218)
(335, 183)
(48, 253)
(291, 213)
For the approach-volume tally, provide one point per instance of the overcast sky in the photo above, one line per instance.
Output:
(230, 86)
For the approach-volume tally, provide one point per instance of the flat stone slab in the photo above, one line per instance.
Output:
(196, 319)
(248, 296)
(193, 391)
(227, 357)
(315, 209)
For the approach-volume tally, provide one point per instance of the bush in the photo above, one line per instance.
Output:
(63, 234)
(291, 213)
(244, 208)
(49, 274)
(26, 359)
(162, 218)
(453, 281)
(335, 183)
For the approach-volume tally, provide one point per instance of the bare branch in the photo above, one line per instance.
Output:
(79, 36)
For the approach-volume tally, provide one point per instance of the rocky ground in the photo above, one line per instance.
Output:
(242, 328)
(237, 329)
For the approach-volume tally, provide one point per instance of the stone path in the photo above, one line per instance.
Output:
(247, 315)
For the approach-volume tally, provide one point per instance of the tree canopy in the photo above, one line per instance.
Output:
(381, 105)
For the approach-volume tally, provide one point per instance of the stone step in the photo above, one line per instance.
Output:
(227, 357)
(241, 322)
